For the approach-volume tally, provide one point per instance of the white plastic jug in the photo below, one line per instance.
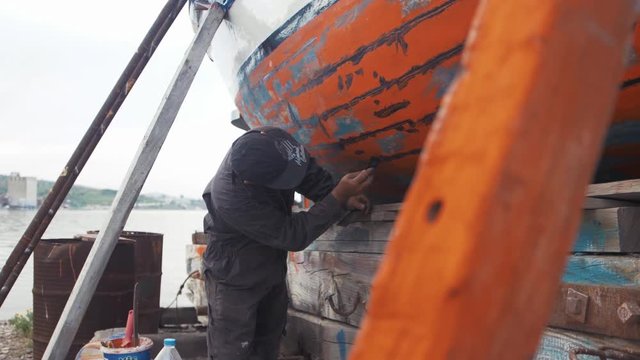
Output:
(169, 351)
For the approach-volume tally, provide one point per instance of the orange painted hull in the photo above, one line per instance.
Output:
(364, 78)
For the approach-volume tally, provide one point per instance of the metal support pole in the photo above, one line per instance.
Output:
(134, 180)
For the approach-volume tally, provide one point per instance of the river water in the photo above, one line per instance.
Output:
(176, 225)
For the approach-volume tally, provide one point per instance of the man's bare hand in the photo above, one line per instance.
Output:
(352, 184)
(359, 202)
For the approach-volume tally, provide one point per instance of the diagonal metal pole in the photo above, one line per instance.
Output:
(148, 151)
(29, 240)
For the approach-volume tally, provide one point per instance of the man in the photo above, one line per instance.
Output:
(250, 227)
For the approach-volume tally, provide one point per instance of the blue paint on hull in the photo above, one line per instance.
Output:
(342, 344)
(623, 133)
(347, 125)
(391, 144)
(443, 76)
(348, 17)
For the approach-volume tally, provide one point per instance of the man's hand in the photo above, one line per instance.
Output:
(352, 185)
(359, 202)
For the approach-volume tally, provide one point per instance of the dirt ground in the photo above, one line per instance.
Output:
(14, 346)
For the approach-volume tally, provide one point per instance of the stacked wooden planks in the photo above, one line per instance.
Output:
(600, 291)
(597, 310)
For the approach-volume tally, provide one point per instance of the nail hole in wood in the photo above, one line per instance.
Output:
(434, 211)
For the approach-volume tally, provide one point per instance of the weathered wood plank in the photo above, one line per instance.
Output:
(371, 231)
(609, 230)
(629, 228)
(601, 230)
(365, 233)
(316, 278)
(321, 339)
(603, 270)
(592, 203)
(598, 231)
(387, 207)
(317, 339)
(349, 246)
(472, 268)
(597, 309)
(557, 344)
(378, 213)
(331, 285)
(628, 190)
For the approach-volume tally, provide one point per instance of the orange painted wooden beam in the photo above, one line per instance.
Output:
(477, 253)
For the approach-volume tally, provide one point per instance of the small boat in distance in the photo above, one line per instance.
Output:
(356, 80)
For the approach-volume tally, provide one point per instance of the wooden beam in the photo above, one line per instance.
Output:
(598, 309)
(557, 344)
(628, 190)
(331, 285)
(321, 339)
(474, 263)
(134, 180)
(604, 229)
(355, 246)
(609, 230)
(611, 270)
(314, 277)
(592, 203)
(316, 338)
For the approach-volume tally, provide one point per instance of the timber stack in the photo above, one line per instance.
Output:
(597, 310)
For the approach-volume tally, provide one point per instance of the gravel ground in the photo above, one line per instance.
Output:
(14, 346)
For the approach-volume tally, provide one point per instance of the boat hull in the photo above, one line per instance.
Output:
(356, 80)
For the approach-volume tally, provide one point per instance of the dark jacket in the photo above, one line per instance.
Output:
(250, 227)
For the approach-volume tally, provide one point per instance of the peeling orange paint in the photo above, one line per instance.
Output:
(365, 78)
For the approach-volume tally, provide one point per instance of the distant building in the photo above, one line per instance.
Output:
(22, 191)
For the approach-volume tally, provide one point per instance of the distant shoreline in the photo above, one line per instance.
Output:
(85, 198)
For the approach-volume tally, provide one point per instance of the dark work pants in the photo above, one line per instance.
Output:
(245, 324)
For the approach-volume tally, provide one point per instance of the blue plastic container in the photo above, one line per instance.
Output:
(140, 352)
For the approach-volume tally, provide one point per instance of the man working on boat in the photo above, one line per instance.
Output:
(250, 227)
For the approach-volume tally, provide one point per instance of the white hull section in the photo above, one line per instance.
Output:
(248, 25)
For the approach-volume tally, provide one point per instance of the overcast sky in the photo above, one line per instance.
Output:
(58, 62)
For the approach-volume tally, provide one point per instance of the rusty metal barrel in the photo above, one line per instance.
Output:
(148, 270)
(149, 277)
(57, 264)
